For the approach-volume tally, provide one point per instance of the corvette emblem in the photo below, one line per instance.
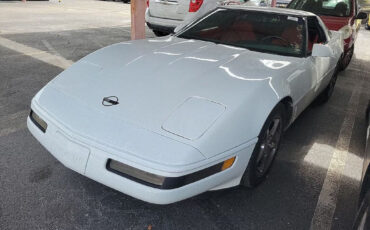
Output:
(109, 101)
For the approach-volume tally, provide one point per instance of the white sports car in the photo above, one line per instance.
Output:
(168, 118)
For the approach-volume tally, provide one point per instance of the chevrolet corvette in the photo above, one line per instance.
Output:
(168, 118)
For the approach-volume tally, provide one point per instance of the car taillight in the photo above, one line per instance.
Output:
(147, 3)
(195, 5)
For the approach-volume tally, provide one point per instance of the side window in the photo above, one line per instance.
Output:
(315, 33)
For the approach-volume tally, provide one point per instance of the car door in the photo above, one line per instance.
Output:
(302, 82)
(322, 67)
(302, 86)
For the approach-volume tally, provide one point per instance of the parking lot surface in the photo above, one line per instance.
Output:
(314, 181)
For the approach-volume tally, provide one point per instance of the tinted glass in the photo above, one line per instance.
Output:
(315, 33)
(338, 8)
(259, 31)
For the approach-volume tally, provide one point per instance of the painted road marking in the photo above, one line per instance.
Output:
(63, 61)
(326, 204)
(12, 123)
(43, 56)
(15, 122)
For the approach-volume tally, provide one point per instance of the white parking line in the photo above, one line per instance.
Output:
(327, 201)
(43, 56)
(12, 123)
(20, 126)
(63, 61)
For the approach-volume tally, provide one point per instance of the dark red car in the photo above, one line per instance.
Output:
(340, 15)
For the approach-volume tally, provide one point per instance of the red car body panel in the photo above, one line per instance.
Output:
(336, 23)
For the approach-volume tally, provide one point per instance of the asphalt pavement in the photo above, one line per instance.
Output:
(314, 179)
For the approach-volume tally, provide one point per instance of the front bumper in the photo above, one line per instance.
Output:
(91, 161)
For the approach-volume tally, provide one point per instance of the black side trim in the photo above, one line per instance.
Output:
(171, 182)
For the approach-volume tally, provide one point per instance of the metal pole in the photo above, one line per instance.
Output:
(273, 3)
(138, 8)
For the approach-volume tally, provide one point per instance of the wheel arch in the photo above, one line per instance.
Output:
(288, 105)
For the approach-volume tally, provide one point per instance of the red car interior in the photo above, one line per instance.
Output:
(239, 31)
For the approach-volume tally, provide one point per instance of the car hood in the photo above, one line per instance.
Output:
(170, 86)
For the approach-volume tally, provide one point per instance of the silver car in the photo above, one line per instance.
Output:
(163, 16)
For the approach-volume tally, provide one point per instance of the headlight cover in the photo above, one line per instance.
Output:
(41, 124)
(165, 183)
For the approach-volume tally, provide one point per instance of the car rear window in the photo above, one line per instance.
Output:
(337, 8)
(259, 31)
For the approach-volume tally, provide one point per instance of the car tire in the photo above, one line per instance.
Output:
(125, 1)
(346, 59)
(160, 33)
(266, 148)
(325, 95)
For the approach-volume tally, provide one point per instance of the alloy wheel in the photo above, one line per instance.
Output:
(268, 146)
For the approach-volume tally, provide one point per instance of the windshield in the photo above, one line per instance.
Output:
(337, 8)
(258, 31)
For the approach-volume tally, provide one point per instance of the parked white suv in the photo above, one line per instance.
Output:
(163, 16)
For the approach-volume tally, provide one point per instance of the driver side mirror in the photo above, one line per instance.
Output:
(361, 15)
(320, 50)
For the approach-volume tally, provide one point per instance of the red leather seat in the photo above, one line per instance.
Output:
(292, 35)
(239, 31)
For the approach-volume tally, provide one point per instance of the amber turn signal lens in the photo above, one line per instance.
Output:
(228, 163)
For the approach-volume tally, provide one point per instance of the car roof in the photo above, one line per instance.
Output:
(285, 11)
